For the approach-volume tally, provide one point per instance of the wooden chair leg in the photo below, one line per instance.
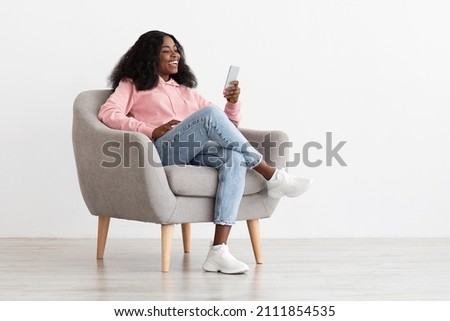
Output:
(103, 226)
(166, 246)
(255, 237)
(186, 233)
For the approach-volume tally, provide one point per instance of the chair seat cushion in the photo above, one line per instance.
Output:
(202, 181)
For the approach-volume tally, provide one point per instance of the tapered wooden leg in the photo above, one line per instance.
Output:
(255, 237)
(166, 246)
(186, 233)
(103, 226)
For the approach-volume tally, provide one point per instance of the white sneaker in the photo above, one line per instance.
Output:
(219, 259)
(284, 184)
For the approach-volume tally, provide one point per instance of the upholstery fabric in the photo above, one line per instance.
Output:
(182, 181)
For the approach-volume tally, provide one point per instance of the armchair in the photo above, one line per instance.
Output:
(120, 176)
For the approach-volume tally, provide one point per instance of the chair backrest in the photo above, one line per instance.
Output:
(88, 103)
(85, 127)
(132, 192)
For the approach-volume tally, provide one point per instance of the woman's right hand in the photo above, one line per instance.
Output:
(164, 128)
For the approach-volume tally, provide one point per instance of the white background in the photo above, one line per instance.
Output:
(374, 73)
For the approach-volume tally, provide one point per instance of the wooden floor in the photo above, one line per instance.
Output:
(301, 269)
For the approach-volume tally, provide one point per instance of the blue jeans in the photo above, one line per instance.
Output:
(209, 138)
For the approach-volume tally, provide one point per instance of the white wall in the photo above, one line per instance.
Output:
(374, 73)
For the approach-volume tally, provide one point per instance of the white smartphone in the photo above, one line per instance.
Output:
(232, 75)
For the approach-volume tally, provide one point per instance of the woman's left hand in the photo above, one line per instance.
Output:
(232, 93)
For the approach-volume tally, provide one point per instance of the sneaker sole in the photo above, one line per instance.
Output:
(212, 268)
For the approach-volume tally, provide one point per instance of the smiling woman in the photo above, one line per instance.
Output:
(168, 58)
(154, 95)
(141, 62)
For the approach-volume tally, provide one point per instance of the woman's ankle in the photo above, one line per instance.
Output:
(265, 170)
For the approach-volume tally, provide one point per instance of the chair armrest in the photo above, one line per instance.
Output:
(119, 172)
(272, 144)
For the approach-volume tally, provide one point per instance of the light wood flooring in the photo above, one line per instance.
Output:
(293, 269)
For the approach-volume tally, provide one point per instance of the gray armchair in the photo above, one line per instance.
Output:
(120, 176)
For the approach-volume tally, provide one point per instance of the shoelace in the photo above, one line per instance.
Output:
(227, 255)
(288, 178)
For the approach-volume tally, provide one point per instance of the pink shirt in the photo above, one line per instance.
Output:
(143, 111)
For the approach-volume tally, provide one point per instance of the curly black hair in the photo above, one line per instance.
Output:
(141, 63)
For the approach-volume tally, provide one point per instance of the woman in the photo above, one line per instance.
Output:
(154, 95)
